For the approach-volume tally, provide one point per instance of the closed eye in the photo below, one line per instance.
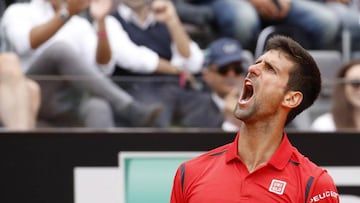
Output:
(269, 67)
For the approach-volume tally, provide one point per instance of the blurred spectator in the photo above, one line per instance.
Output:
(52, 40)
(6, 3)
(224, 74)
(348, 13)
(2, 8)
(345, 111)
(158, 49)
(245, 19)
(19, 96)
(210, 14)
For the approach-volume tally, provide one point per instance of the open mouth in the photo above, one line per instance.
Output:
(248, 91)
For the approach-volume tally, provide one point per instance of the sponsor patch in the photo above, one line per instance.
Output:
(277, 186)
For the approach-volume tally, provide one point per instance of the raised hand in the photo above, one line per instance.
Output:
(100, 8)
(164, 11)
(76, 6)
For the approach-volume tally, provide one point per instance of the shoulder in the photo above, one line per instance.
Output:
(16, 9)
(208, 116)
(324, 122)
(317, 183)
(206, 158)
(306, 166)
(323, 189)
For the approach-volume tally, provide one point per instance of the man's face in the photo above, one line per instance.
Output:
(264, 87)
(225, 78)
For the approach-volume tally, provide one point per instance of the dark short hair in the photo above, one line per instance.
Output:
(304, 76)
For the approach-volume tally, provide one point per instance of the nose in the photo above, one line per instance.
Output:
(255, 69)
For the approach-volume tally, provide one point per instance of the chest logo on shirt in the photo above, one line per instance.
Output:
(277, 186)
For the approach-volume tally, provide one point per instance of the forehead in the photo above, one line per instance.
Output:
(278, 59)
(353, 72)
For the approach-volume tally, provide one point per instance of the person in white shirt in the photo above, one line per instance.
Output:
(157, 48)
(325, 122)
(52, 40)
(19, 95)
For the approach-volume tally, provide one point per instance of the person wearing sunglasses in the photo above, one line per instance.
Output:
(345, 110)
(223, 73)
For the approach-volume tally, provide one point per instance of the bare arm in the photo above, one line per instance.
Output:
(165, 67)
(165, 12)
(99, 9)
(41, 33)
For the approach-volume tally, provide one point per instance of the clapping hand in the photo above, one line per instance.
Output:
(76, 6)
(100, 8)
(164, 11)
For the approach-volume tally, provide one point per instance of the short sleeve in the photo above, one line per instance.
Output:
(323, 190)
(177, 195)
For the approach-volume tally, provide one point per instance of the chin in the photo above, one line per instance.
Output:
(244, 114)
(238, 113)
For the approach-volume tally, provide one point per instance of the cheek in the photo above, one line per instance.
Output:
(352, 96)
(347, 92)
(219, 84)
(274, 95)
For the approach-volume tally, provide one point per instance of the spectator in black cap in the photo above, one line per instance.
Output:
(223, 74)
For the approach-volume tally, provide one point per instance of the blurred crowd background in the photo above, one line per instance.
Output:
(166, 63)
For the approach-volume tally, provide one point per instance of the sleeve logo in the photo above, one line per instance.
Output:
(277, 186)
(324, 195)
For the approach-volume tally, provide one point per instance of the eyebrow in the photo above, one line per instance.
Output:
(267, 63)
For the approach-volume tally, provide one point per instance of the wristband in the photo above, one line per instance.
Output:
(183, 79)
(101, 34)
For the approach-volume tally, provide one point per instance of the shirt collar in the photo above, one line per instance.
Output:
(233, 151)
(279, 159)
(282, 155)
(130, 16)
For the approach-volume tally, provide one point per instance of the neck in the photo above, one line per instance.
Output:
(257, 145)
(142, 13)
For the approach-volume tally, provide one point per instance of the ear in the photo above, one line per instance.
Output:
(292, 99)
